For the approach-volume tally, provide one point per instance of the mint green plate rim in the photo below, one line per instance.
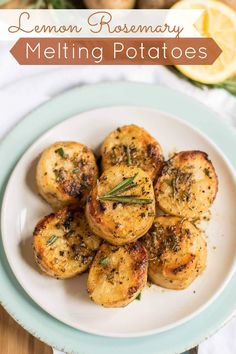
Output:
(21, 307)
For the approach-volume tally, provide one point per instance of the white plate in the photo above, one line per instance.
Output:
(159, 309)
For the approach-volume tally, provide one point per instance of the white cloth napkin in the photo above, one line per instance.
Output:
(22, 89)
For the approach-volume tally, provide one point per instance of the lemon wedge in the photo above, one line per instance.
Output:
(218, 22)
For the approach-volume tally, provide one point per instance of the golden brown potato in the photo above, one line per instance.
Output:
(188, 185)
(131, 145)
(118, 274)
(63, 243)
(177, 252)
(65, 173)
(114, 220)
(155, 4)
(109, 4)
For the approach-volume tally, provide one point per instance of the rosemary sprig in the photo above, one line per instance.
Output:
(228, 85)
(128, 199)
(129, 159)
(122, 186)
(114, 194)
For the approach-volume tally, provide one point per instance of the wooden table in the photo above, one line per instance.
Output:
(15, 340)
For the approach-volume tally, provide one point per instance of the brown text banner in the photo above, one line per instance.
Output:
(116, 51)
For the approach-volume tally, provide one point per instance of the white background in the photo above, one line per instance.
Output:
(22, 89)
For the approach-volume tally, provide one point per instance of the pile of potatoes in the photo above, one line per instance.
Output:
(132, 220)
(128, 4)
(140, 4)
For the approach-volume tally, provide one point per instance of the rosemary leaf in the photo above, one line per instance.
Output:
(228, 85)
(174, 187)
(103, 261)
(121, 187)
(127, 150)
(61, 152)
(51, 240)
(128, 199)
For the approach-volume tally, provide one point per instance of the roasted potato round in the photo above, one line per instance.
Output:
(115, 220)
(65, 173)
(177, 252)
(109, 4)
(155, 4)
(131, 145)
(118, 274)
(63, 243)
(187, 186)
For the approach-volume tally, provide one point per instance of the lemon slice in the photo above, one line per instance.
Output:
(219, 23)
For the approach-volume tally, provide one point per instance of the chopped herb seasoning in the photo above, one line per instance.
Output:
(186, 196)
(68, 221)
(68, 234)
(76, 249)
(76, 171)
(173, 243)
(174, 186)
(151, 150)
(180, 182)
(104, 261)
(110, 276)
(60, 174)
(161, 239)
(138, 297)
(61, 152)
(51, 240)
(207, 172)
(128, 154)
